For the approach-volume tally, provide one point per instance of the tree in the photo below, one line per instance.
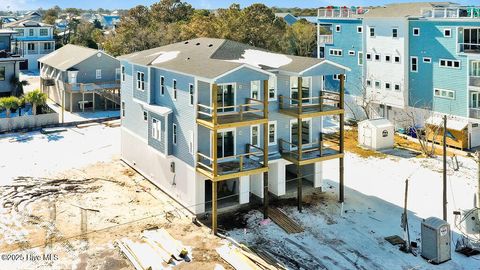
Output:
(9, 103)
(426, 135)
(171, 11)
(300, 38)
(86, 35)
(18, 86)
(51, 15)
(261, 27)
(200, 25)
(36, 98)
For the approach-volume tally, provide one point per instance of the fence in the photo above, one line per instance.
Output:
(29, 121)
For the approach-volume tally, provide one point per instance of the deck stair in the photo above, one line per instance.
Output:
(283, 221)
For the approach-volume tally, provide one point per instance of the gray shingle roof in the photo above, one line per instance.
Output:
(26, 23)
(67, 56)
(210, 57)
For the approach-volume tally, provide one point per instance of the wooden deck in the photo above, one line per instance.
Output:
(311, 155)
(232, 120)
(311, 110)
(231, 169)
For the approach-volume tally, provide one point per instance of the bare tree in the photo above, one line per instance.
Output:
(364, 102)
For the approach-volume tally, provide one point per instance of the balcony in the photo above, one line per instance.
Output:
(92, 87)
(251, 113)
(341, 12)
(474, 113)
(311, 152)
(325, 39)
(453, 12)
(474, 81)
(469, 48)
(219, 169)
(328, 103)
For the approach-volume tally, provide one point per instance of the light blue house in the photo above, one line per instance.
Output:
(416, 58)
(9, 63)
(212, 117)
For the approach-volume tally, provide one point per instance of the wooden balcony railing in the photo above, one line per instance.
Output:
(90, 87)
(326, 102)
(253, 110)
(309, 151)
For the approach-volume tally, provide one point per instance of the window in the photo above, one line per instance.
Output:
(191, 92)
(388, 86)
(377, 57)
(174, 89)
(174, 134)
(475, 68)
(31, 32)
(369, 83)
(427, 60)
(369, 56)
(395, 32)
(336, 52)
(360, 58)
(191, 142)
(47, 46)
(255, 135)
(414, 64)
(447, 32)
(416, 31)
(117, 74)
(450, 63)
(338, 28)
(359, 29)
(2, 73)
(156, 129)
(272, 133)
(372, 31)
(31, 46)
(98, 74)
(162, 85)
(378, 84)
(145, 116)
(337, 77)
(255, 89)
(140, 80)
(443, 93)
(20, 32)
(123, 73)
(397, 87)
(272, 86)
(397, 59)
(123, 109)
(388, 58)
(43, 32)
(351, 53)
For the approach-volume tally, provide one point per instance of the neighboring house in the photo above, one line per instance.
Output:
(33, 41)
(7, 19)
(80, 78)
(416, 57)
(289, 18)
(33, 16)
(110, 21)
(198, 116)
(9, 63)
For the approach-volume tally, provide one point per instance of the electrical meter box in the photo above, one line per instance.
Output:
(436, 240)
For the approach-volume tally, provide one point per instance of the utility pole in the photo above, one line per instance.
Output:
(445, 167)
(406, 231)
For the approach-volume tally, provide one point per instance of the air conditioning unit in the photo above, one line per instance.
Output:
(436, 236)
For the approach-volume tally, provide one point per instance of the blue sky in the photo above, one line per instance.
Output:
(113, 4)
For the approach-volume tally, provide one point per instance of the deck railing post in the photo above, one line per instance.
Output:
(265, 149)
(241, 163)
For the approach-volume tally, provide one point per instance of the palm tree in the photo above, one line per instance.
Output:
(9, 103)
(36, 98)
(18, 86)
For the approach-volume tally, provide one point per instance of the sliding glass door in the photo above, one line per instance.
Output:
(225, 144)
(226, 98)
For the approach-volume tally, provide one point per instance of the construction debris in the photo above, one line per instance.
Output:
(168, 243)
(395, 240)
(52, 130)
(112, 123)
(236, 258)
(282, 220)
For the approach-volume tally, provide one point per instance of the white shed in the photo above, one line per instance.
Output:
(376, 134)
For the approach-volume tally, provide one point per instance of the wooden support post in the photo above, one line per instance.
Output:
(300, 95)
(83, 101)
(320, 101)
(214, 207)
(445, 167)
(299, 188)
(265, 150)
(93, 101)
(71, 102)
(299, 144)
(342, 138)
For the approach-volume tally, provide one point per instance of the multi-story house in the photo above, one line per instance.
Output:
(419, 58)
(9, 63)
(32, 41)
(212, 120)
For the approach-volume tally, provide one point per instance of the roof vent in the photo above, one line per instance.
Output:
(186, 42)
(210, 45)
(188, 58)
(198, 43)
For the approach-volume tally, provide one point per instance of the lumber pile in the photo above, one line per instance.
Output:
(112, 123)
(283, 221)
(47, 131)
(86, 125)
(241, 257)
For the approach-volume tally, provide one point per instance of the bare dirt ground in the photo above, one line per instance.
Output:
(41, 217)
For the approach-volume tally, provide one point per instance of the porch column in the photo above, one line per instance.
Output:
(214, 158)
(342, 138)
(93, 100)
(299, 145)
(244, 189)
(71, 102)
(265, 149)
(214, 207)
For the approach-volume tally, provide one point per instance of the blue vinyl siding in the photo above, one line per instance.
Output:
(139, 94)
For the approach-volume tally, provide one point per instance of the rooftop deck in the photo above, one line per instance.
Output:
(341, 12)
(452, 12)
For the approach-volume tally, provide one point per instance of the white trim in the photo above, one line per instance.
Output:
(427, 60)
(444, 91)
(413, 32)
(449, 60)
(174, 134)
(258, 89)
(238, 68)
(352, 53)
(310, 135)
(370, 28)
(274, 98)
(234, 132)
(335, 52)
(138, 80)
(162, 86)
(98, 74)
(447, 29)
(145, 115)
(411, 64)
(397, 32)
(123, 71)
(174, 90)
(234, 95)
(360, 57)
(325, 62)
(258, 135)
(338, 28)
(359, 28)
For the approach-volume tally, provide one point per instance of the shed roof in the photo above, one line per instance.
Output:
(68, 56)
(452, 123)
(378, 123)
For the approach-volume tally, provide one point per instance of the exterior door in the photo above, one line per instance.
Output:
(225, 144)
(305, 88)
(305, 132)
(72, 77)
(226, 97)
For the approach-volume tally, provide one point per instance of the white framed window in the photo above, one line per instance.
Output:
(31, 32)
(427, 60)
(395, 32)
(98, 74)
(174, 134)
(255, 90)
(156, 129)
(43, 32)
(123, 73)
(360, 58)
(396, 59)
(416, 31)
(123, 109)
(140, 81)
(191, 141)
(448, 63)
(388, 86)
(336, 52)
(447, 32)
(352, 53)
(378, 57)
(378, 84)
(272, 88)
(118, 74)
(272, 133)
(369, 83)
(388, 58)
(338, 28)
(174, 89)
(255, 135)
(414, 64)
(372, 31)
(191, 92)
(444, 93)
(145, 116)
(162, 85)
(397, 87)
(359, 29)
(336, 77)
(369, 56)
